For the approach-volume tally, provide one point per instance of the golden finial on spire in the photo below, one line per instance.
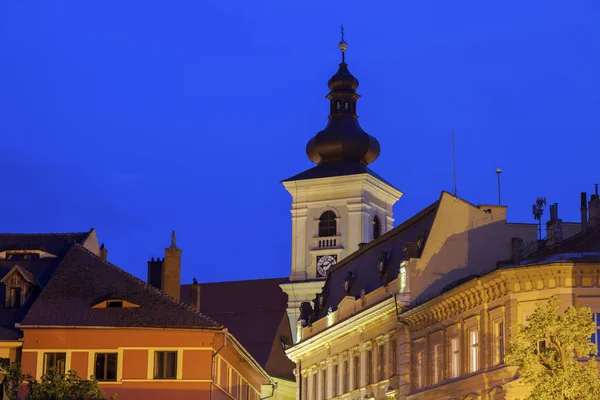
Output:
(342, 45)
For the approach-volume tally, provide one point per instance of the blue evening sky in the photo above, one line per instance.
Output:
(139, 117)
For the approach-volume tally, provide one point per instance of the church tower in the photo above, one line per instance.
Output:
(340, 203)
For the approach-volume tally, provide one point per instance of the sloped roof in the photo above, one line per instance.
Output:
(584, 246)
(336, 169)
(82, 279)
(363, 263)
(53, 243)
(252, 311)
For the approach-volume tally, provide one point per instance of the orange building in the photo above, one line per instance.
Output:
(66, 307)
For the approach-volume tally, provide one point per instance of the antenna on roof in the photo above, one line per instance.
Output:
(453, 164)
(498, 172)
(538, 210)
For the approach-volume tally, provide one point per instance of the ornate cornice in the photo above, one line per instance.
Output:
(496, 285)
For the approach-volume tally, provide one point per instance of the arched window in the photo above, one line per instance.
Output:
(347, 107)
(376, 227)
(327, 224)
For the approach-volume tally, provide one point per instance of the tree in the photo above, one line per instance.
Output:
(51, 386)
(58, 386)
(555, 355)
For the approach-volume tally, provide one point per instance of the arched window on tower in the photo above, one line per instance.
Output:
(327, 224)
(338, 105)
(376, 227)
(347, 107)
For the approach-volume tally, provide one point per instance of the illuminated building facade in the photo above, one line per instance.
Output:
(424, 310)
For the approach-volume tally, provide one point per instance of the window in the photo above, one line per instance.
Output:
(304, 388)
(246, 391)
(392, 366)
(327, 224)
(500, 343)
(335, 377)
(369, 372)
(165, 365)
(596, 336)
(22, 256)
(357, 371)
(419, 370)
(454, 358)
(106, 367)
(402, 279)
(346, 372)
(376, 227)
(314, 387)
(55, 360)
(473, 350)
(381, 364)
(324, 383)
(346, 107)
(15, 297)
(114, 304)
(437, 364)
(338, 104)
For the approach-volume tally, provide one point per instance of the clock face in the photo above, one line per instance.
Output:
(324, 263)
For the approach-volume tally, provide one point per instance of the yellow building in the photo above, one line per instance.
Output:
(423, 310)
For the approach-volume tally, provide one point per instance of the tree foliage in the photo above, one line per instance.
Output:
(52, 385)
(554, 354)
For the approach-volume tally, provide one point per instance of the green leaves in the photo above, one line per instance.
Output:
(56, 386)
(553, 353)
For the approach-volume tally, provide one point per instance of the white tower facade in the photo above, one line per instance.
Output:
(338, 204)
(331, 217)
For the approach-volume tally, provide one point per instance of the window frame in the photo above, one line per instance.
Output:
(454, 357)
(55, 362)
(105, 379)
(166, 353)
(473, 338)
(327, 226)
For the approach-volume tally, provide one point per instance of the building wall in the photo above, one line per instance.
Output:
(355, 200)
(136, 349)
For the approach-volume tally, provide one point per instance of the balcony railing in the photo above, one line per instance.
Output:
(327, 242)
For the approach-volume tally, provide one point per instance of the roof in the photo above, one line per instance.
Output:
(82, 280)
(255, 312)
(53, 243)
(584, 246)
(37, 271)
(336, 169)
(363, 263)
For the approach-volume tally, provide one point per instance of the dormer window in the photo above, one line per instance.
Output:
(19, 282)
(21, 256)
(115, 303)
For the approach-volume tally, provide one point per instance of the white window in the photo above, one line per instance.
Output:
(420, 369)
(454, 358)
(473, 350)
(500, 343)
(596, 335)
(437, 364)
(402, 279)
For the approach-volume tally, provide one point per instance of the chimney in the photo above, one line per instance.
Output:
(103, 252)
(594, 209)
(515, 247)
(171, 270)
(554, 227)
(583, 210)
(155, 268)
(195, 295)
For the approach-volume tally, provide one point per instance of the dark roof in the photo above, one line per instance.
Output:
(584, 246)
(255, 312)
(41, 269)
(336, 169)
(82, 280)
(37, 270)
(363, 263)
(53, 243)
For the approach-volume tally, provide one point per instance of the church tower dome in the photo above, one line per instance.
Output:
(343, 140)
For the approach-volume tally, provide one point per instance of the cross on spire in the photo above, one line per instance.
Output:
(343, 45)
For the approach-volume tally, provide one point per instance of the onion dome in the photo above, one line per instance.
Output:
(342, 139)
